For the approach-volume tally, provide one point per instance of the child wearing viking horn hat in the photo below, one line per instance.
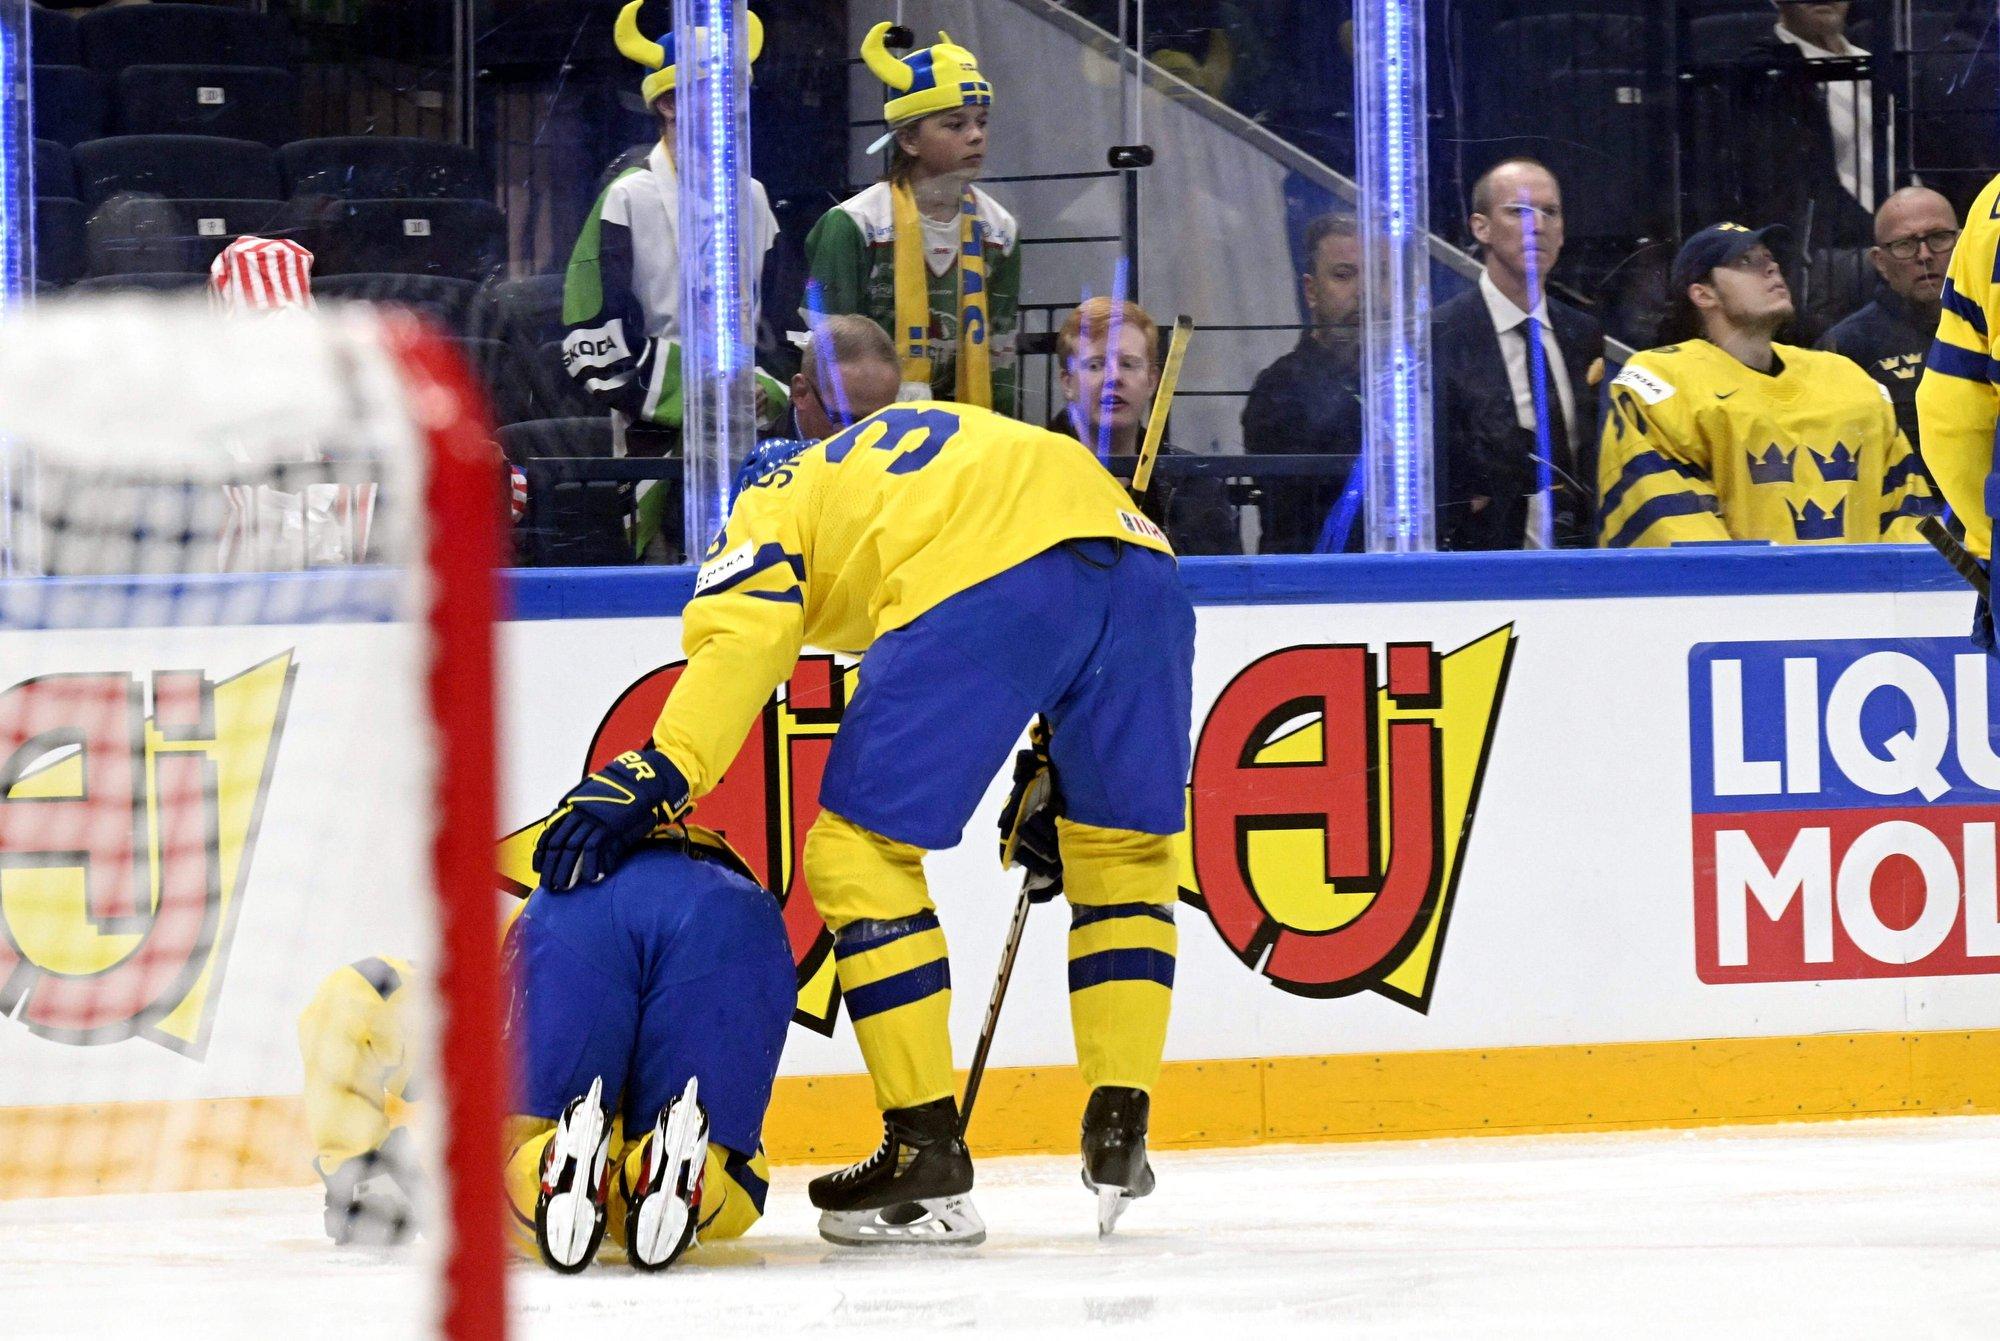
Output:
(622, 292)
(924, 253)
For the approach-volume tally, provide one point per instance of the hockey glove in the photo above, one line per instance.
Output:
(607, 815)
(1028, 823)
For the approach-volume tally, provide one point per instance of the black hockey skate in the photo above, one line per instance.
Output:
(1114, 1150)
(911, 1190)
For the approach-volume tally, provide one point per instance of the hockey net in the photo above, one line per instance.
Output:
(246, 739)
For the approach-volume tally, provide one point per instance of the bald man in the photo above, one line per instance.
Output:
(848, 371)
(1915, 231)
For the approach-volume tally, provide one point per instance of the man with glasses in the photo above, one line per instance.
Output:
(1733, 436)
(1915, 231)
(847, 371)
(1511, 414)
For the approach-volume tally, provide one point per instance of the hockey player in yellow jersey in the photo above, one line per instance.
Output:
(1958, 399)
(646, 1013)
(990, 571)
(1735, 437)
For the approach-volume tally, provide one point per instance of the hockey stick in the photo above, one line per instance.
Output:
(1156, 428)
(1955, 554)
(1163, 399)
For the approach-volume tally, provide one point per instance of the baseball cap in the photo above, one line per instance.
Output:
(1719, 244)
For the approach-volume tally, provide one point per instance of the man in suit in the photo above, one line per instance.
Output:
(1515, 421)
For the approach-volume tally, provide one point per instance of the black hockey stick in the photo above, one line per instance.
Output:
(1955, 554)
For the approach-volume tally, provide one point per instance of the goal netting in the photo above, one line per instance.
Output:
(246, 593)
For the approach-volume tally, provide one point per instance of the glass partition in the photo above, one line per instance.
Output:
(499, 164)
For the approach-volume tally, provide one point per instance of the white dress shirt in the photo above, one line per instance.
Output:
(1850, 111)
(1510, 322)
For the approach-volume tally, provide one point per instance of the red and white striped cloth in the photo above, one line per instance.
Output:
(261, 274)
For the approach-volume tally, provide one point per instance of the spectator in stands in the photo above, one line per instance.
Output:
(1494, 424)
(1310, 399)
(931, 258)
(1730, 436)
(622, 294)
(847, 371)
(1795, 148)
(1915, 231)
(1109, 354)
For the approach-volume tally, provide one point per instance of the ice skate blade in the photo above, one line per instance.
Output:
(1111, 1203)
(947, 1221)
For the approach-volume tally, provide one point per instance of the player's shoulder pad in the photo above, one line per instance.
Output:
(1646, 383)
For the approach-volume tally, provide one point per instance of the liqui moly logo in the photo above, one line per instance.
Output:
(1846, 810)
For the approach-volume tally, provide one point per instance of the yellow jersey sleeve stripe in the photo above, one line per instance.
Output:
(1964, 308)
(1653, 511)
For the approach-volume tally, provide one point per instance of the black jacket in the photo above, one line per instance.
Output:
(1889, 339)
(1194, 512)
(1481, 449)
(1763, 150)
(1308, 401)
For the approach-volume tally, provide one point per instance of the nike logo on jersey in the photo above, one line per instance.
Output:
(1724, 395)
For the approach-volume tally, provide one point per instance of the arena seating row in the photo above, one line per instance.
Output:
(107, 40)
(160, 203)
(73, 104)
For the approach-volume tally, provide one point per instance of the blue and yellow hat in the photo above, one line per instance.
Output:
(936, 79)
(658, 57)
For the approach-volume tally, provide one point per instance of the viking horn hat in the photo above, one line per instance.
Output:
(940, 78)
(658, 57)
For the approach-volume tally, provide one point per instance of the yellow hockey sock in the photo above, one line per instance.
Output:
(1122, 941)
(889, 954)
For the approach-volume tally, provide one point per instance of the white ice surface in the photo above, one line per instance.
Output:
(1879, 1228)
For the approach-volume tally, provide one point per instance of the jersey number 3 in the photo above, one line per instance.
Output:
(891, 431)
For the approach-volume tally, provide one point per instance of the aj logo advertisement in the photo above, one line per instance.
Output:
(1329, 809)
(129, 808)
(1846, 800)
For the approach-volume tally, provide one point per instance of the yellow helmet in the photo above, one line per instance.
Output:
(935, 79)
(658, 57)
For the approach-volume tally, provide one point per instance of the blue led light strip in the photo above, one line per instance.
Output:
(1393, 214)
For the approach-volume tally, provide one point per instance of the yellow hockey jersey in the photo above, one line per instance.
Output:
(861, 534)
(1957, 401)
(1697, 446)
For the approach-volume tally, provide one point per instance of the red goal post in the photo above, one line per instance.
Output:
(219, 787)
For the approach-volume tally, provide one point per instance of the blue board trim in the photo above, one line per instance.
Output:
(1309, 579)
(1377, 579)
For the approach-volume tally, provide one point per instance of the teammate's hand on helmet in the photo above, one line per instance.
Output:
(607, 815)
(1028, 822)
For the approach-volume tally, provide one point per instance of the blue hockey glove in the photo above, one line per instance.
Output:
(1028, 823)
(607, 815)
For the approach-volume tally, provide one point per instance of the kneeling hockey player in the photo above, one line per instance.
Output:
(991, 571)
(651, 1005)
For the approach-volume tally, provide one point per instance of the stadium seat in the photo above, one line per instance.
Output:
(509, 393)
(52, 38)
(139, 233)
(58, 240)
(463, 238)
(68, 103)
(526, 313)
(568, 523)
(215, 223)
(179, 167)
(182, 35)
(173, 281)
(136, 232)
(555, 386)
(240, 101)
(55, 175)
(443, 298)
(382, 167)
